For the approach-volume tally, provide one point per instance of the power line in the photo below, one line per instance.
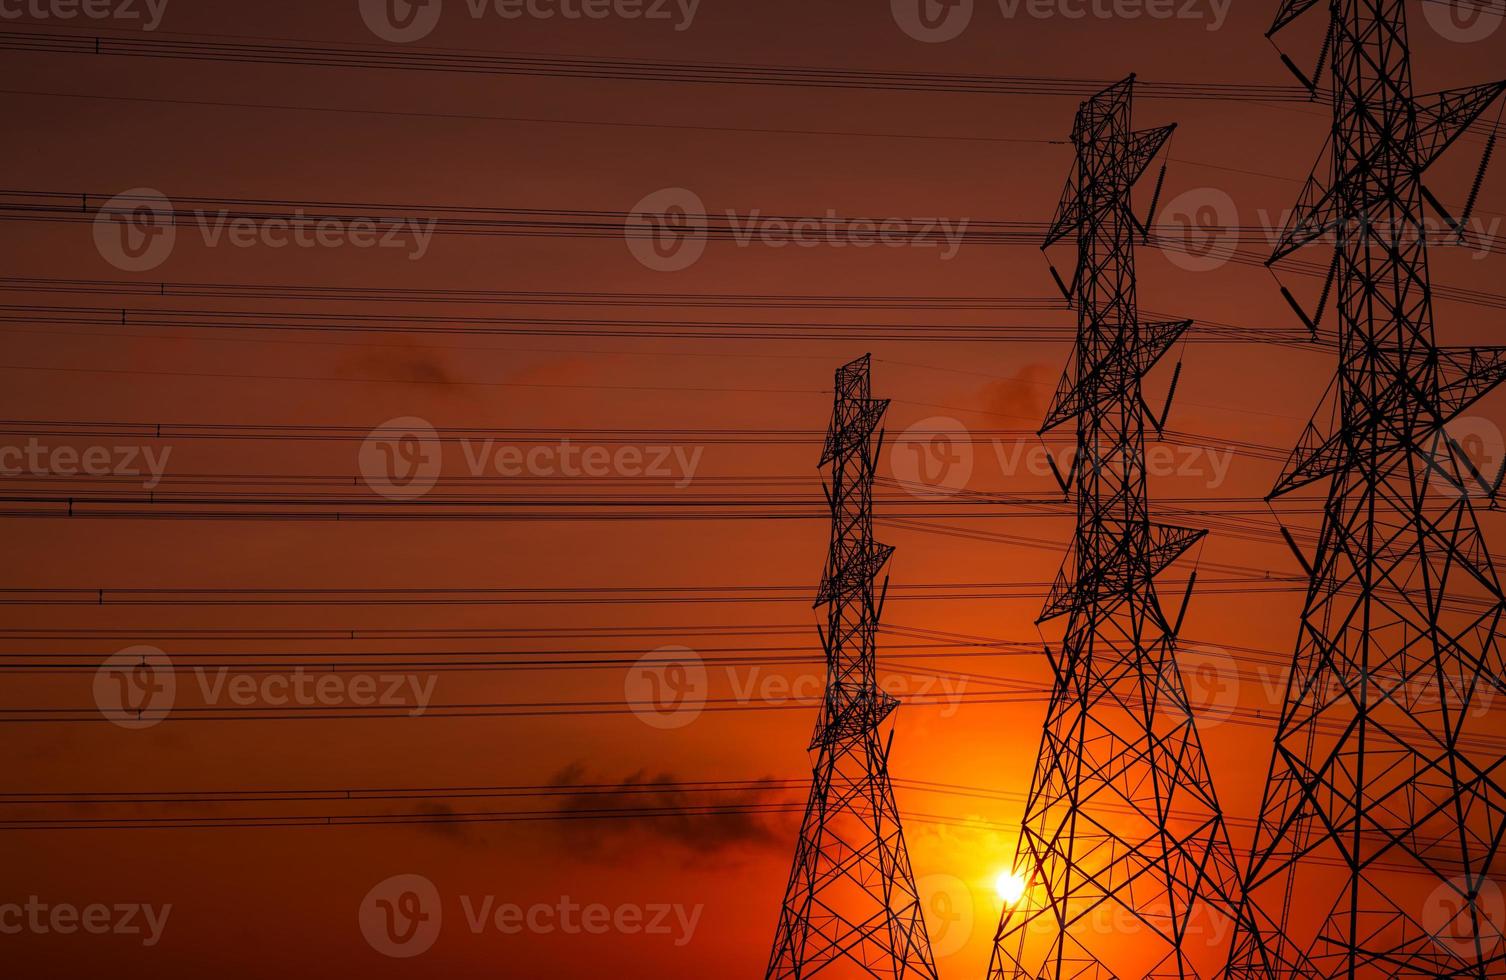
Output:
(1378, 739)
(536, 326)
(225, 50)
(727, 225)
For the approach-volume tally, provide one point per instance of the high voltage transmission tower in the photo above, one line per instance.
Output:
(1122, 824)
(851, 907)
(1382, 820)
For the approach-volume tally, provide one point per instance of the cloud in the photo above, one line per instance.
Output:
(417, 366)
(602, 821)
(1026, 394)
(442, 822)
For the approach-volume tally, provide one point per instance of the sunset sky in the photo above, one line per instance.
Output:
(625, 451)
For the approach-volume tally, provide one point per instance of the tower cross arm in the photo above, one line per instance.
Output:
(847, 434)
(854, 574)
(1110, 579)
(1135, 154)
(1290, 11)
(1315, 457)
(1143, 147)
(1069, 214)
(1444, 116)
(1467, 374)
(1122, 365)
(1319, 211)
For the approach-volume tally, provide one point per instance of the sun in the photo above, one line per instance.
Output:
(1010, 887)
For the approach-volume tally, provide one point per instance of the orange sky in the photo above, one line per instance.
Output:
(265, 901)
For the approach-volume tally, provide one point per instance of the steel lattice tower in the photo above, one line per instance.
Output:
(851, 907)
(1122, 823)
(1383, 815)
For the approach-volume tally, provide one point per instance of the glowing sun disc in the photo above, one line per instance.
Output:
(1010, 887)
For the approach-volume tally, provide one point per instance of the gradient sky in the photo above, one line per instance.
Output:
(266, 901)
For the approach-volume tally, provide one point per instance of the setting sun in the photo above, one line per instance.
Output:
(1010, 887)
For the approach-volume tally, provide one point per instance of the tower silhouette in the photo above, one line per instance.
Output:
(1381, 824)
(851, 906)
(1122, 825)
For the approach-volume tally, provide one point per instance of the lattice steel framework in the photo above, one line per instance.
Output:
(851, 907)
(1383, 813)
(1129, 867)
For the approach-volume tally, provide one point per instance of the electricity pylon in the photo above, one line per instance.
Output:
(1383, 814)
(1128, 865)
(851, 907)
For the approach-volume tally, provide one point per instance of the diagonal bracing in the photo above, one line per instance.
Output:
(851, 908)
(1378, 848)
(1129, 868)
